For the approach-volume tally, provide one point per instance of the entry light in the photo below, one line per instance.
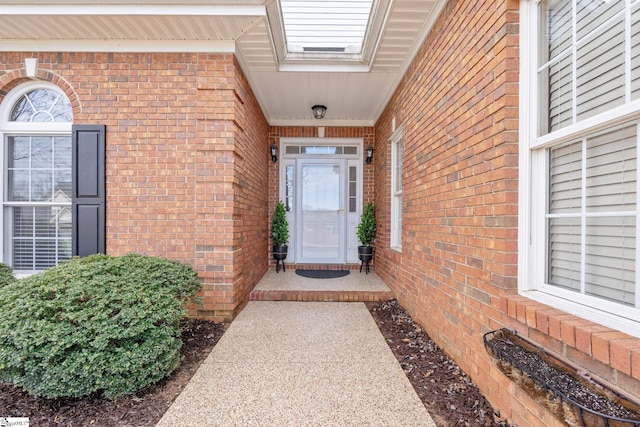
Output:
(319, 111)
(369, 154)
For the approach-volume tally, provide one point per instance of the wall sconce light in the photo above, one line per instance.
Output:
(369, 154)
(274, 153)
(319, 111)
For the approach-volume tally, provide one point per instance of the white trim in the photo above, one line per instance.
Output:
(323, 122)
(307, 141)
(637, 220)
(100, 9)
(188, 46)
(613, 117)
(324, 64)
(527, 130)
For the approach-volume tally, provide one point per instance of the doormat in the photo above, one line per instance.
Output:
(322, 274)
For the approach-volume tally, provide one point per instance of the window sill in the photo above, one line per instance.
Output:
(609, 351)
(396, 249)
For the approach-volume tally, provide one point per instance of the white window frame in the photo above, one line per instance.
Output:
(8, 128)
(396, 195)
(533, 184)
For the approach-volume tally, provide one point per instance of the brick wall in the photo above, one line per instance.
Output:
(458, 107)
(185, 178)
(457, 272)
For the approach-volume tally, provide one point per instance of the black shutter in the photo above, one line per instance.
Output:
(88, 198)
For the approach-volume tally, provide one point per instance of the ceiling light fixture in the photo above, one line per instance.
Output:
(319, 111)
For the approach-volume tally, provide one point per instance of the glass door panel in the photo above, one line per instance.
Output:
(321, 211)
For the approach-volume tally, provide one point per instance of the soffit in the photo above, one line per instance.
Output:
(353, 95)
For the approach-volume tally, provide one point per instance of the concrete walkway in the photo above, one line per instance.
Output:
(299, 364)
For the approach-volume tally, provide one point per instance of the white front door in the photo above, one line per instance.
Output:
(320, 215)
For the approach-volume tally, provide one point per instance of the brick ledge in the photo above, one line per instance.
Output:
(554, 329)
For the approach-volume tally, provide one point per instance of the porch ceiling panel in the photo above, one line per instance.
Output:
(128, 27)
(354, 90)
(351, 98)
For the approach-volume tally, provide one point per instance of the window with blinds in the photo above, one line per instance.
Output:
(579, 174)
(591, 218)
(37, 212)
(583, 70)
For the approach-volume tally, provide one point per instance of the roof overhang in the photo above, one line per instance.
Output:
(355, 87)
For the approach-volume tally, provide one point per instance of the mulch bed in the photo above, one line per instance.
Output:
(144, 408)
(447, 392)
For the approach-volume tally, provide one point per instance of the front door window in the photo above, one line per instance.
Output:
(321, 186)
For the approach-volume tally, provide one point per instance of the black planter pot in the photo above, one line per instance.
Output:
(280, 254)
(365, 254)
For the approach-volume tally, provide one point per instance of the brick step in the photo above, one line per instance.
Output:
(320, 296)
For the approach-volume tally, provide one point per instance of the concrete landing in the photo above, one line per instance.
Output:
(288, 286)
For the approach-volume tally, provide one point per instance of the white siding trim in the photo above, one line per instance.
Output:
(187, 46)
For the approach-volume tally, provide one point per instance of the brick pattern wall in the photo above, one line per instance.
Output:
(277, 132)
(457, 272)
(458, 108)
(184, 176)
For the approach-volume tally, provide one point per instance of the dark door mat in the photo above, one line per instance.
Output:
(322, 274)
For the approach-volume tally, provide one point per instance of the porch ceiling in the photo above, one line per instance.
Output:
(354, 89)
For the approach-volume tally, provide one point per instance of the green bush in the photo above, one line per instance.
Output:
(280, 226)
(367, 227)
(94, 324)
(6, 275)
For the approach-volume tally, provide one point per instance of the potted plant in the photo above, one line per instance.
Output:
(366, 232)
(280, 235)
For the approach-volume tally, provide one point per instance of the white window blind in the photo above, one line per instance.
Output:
(583, 60)
(592, 215)
(635, 52)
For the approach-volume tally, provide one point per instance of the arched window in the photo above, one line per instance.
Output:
(35, 127)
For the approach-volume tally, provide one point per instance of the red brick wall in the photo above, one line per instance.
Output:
(457, 272)
(184, 176)
(277, 132)
(458, 107)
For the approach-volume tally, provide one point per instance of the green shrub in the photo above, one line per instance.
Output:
(367, 227)
(6, 275)
(280, 226)
(94, 324)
